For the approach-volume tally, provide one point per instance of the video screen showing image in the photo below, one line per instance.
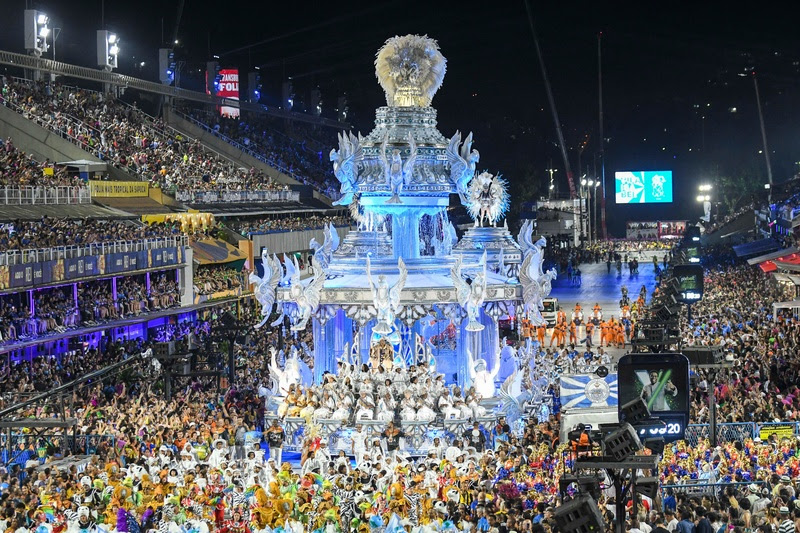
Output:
(662, 389)
(643, 187)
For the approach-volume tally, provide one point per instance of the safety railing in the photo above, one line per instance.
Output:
(739, 431)
(703, 488)
(79, 445)
(233, 196)
(57, 195)
(40, 255)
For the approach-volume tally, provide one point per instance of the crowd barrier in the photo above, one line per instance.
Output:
(58, 195)
(78, 444)
(739, 431)
(700, 488)
(233, 196)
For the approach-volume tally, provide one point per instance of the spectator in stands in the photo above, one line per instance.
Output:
(286, 223)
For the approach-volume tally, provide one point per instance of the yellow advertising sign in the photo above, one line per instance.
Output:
(118, 189)
(780, 430)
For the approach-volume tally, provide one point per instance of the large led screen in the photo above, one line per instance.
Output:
(643, 187)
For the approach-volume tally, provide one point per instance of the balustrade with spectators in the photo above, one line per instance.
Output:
(45, 195)
(233, 196)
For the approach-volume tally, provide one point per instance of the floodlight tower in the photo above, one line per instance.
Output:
(36, 33)
(107, 50)
(107, 53)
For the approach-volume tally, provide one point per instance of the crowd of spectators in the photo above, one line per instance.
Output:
(18, 169)
(50, 232)
(486, 479)
(131, 140)
(736, 312)
(297, 149)
(718, 222)
(564, 256)
(286, 223)
(55, 310)
(211, 279)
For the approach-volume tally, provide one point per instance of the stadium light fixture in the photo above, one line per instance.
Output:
(36, 32)
(107, 50)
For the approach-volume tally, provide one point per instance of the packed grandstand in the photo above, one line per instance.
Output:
(136, 395)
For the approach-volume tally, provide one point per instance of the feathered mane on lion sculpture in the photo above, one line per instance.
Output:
(410, 69)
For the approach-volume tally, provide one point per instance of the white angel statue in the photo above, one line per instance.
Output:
(536, 284)
(482, 379)
(462, 165)
(470, 295)
(345, 165)
(385, 299)
(266, 285)
(396, 172)
(306, 298)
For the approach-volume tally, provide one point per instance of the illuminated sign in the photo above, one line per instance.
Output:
(228, 87)
(690, 282)
(643, 187)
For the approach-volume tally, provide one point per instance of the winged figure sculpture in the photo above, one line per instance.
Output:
(306, 298)
(470, 295)
(266, 285)
(397, 173)
(345, 165)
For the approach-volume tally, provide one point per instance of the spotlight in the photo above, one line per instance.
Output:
(586, 484)
(112, 38)
(655, 445)
(622, 443)
(647, 486)
(634, 411)
(581, 515)
(41, 19)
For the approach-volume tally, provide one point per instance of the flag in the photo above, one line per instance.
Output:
(588, 390)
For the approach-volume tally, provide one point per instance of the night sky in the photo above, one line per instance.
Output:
(673, 94)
